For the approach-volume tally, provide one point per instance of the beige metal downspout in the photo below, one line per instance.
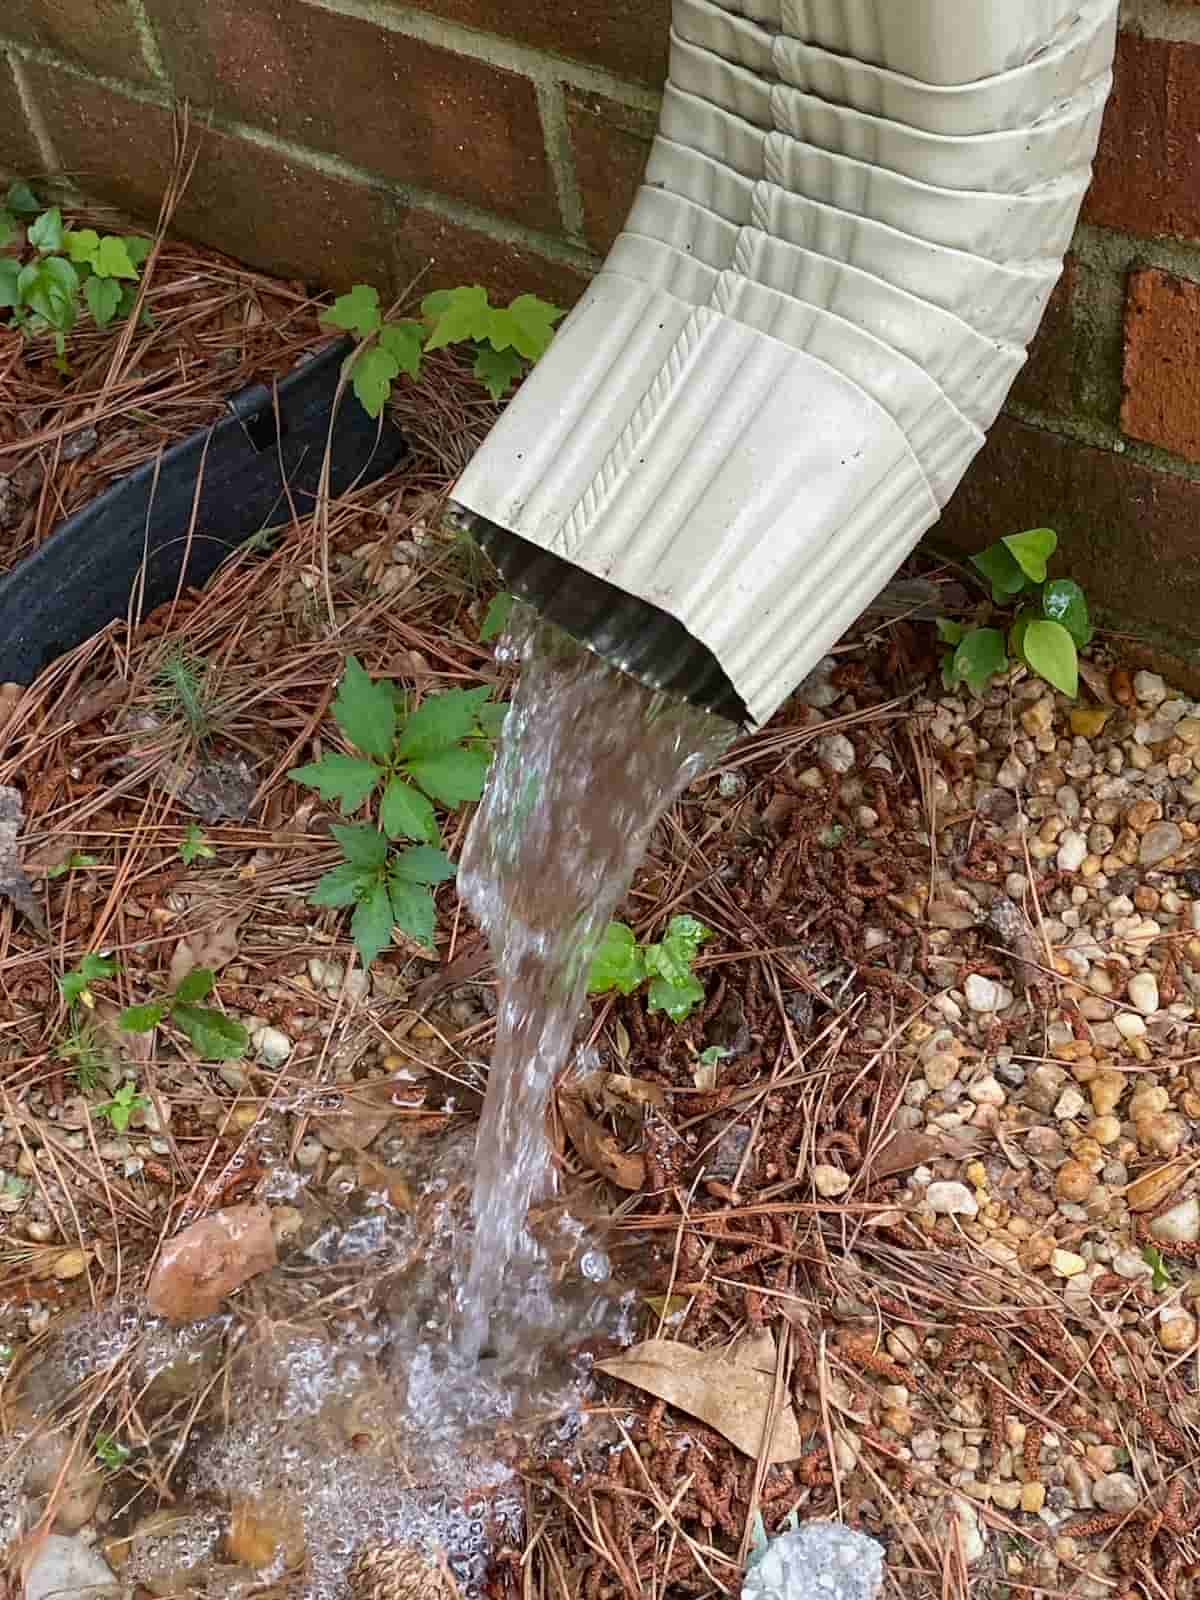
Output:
(853, 216)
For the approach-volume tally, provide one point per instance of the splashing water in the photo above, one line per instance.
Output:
(588, 762)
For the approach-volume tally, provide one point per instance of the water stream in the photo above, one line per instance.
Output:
(588, 762)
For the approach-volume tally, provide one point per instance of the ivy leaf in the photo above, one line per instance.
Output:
(345, 885)
(356, 312)
(949, 632)
(76, 983)
(22, 200)
(407, 813)
(527, 326)
(140, 1019)
(81, 244)
(497, 370)
(413, 909)
(1064, 601)
(362, 845)
(677, 999)
(1050, 651)
(365, 710)
(452, 776)
(618, 962)
(371, 925)
(403, 342)
(495, 619)
(672, 959)
(49, 287)
(197, 985)
(457, 314)
(1032, 550)
(103, 296)
(46, 234)
(347, 779)
(112, 259)
(372, 374)
(441, 721)
(980, 655)
(492, 717)
(213, 1035)
(137, 248)
(422, 864)
(10, 272)
(1000, 567)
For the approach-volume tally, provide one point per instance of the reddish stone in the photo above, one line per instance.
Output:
(390, 104)
(628, 37)
(19, 153)
(97, 33)
(611, 142)
(1148, 170)
(1162, 362)
(1045, 383)
(1129, 534)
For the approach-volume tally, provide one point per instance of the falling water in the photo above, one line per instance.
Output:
(588, 762)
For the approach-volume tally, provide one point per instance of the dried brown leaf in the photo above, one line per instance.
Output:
(209, 1260)
(14, 885)
(212, 947)
(614, 1092)
(598, 1149)
(908, 1149)
(1147, 1192)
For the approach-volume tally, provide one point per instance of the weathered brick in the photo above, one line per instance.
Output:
(629, 37)
(1130, 535)
(610, 143)
(271, 212)
(1046, 382)
(456, 254)
(1162, 362)
(96, 33)
(1148, 170)
(19, 153)
(393, 105)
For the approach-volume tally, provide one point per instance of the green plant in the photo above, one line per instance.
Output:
(110, 1452)
(214, 1036)
(438, 753)
(504, 338)
(1160, 1278)
(621, 963)
(81, 1048)
(1050, 627)
(120, 1109)
(76, 861)
(495, 618)
(194, 846)
(54, 265)
(182, 692)
(76, 984)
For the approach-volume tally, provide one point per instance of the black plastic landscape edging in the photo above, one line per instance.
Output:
(87, 573)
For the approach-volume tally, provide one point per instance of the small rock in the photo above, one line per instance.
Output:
(987, 1091)
(819, 1561)
(1072, 849)
(1033, 1497)
(985, 995)
(1177, 1332)
(1131, 1265)
(1088, 721)
(1143, 993)
(951, 1200)
(830, 1181)
(1106, 1089)
(210, 1259)
(1074, 1181)
(1159, 842)
(66, 1567)
(272, 1046)
(836, 751)
(1179, 1225)
(1066, 1264)
(1070, 1104)
(1117, 1491)
(941, 1070)
(1150, 689)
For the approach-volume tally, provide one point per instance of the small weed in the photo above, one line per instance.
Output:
(77, 861)
(505, 339)
(120, 1109)
(194, 846)
(110, 1452)
(42, 284)
(83, 1051)
(624, 965)
(182, 693)
(495, 619)
(76, 984)
(1161, 1278)
(1049, 629)
(214, 1036)
(438, 753)
(713, 1054)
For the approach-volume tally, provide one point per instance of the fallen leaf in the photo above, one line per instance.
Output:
(362, 1112)
(212, 947)
(598, 1149)
(730, 1389)
(1149, 1191)
(908, 1149)
(223, 787)
(209, 1260)
(373, 1174)
(14, 885)
(71, 1264)
(613, 1091)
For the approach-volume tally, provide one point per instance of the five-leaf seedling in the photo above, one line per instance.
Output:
(621, 963)
(120, 1109)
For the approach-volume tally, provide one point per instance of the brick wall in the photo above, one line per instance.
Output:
(502, 140)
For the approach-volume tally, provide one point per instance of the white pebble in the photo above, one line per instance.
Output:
(272, 1046)
(1117, 1491)
(1143, 993)
(830, 1181)
(985, 994)
(951, 1200)
(1179, 1225)
(988, 1092)
(836, 751)
(1072, 850)
(1150, 689)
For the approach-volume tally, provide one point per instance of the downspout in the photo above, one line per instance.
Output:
(853, 216)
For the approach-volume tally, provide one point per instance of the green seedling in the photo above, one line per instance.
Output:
(77, 861)
(120, 1109)
(110, 1452)
(84, 1052)
(622, 964)
(182, 693)
(194, 846)
(213, 1035)
(76, 984)
(496, 617)
(1161, 1278)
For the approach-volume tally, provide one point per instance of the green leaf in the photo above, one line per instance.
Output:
(103, 296)
(76, 861)
(949, 632)
(1032, 550)
(457, 314)
(214, 1036)
(194, 846)
(112, 259)
(527, 326)
(677, 999)
(372, 373)
(22, 200)
(1161, 1278)
(404, 341)
(76, 982)
(713, 1054)
(49, 286)
(672, 959)
(1050, 651)
(406, 813)
(137, 248)
(497, 370)
(452, 776)
(140, 1019)
(348, 779)
(422, 864)
(82, 244)
(1016, 634)
(492, 716)
(371, 925)
(197, 985)
(356, 312)
(495, 619)
(617, 963)
(10, 272)
(1064, 601)
(980, 655)
(365, 711)
(362, 845)
(441, 721)
(10, 228)
(344, 886)
(413, 909)
(46, 233)
(999, 566)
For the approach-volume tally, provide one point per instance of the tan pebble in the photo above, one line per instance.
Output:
(1161, 1134)
(1033, 1496)
(1006, 1495)
(976, 1174)
(1088, 721)
(1036, 1252)
(1066, 1264)
(71, 1263)
(1145, 1102)
(243, 1117)
(1145, 898)
(1039, 717)
(1141, 814)
(1105, 1130)
(1177, 1333)
(941, 1070)
(830, 1181)
(264, 1530)
(898, 1420)
(1106, 1089)
(1074, 1181)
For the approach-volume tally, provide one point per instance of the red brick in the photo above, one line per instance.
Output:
(1046, 382)
(1148, 170)
(1162, 362)
(393, 105)
(610, 142)
(1129, 534)
(455, 254)
(628, 37)
(96, 33)
(19, 153)
(273, 213)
